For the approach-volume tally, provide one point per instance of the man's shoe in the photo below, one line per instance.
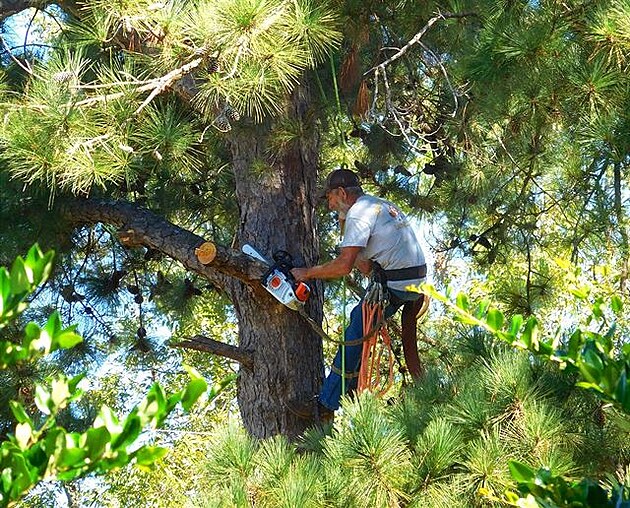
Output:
(311, 410)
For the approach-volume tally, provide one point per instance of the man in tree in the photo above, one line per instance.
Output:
(379, 240)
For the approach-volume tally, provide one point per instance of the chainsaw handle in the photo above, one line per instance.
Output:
(283, 258)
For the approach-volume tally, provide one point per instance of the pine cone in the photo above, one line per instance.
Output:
(222, 123)
(231, 113)
(213, 64)
(63, 76)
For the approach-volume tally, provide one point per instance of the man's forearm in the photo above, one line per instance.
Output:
(331, 270)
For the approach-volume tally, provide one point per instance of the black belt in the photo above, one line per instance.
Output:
(413, 272)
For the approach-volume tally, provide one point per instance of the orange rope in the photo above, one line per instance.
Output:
(373, 350)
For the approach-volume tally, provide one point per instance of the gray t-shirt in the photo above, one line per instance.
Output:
(386, 236)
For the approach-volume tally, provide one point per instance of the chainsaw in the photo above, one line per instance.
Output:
(278, 279)
(283, 286)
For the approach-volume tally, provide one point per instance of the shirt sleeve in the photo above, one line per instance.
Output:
(356, 233)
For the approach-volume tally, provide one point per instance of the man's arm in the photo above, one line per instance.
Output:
(364, 265)
(338, 267)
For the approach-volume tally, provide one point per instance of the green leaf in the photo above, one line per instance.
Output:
(529, 336)
(107, 418)
(147, 455)
(153, 408)
(42, 400)
(591, 366)
(576, 342)
(96, 441)
(495, 319)
(515, 324)
(68, 339)
(622, 392)
(71, 458)
(580, 293)
(18, 411)
(23, 434)
(192, 392)
(173, 400)
(616, 304)
(522, 473)
(462, 301)
(482, 309)
(59, 393)
(73, 383)
(19, 280)
(131, 431)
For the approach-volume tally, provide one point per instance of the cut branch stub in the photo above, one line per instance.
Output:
(206, 253)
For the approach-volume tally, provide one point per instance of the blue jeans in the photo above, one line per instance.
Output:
(331, 390)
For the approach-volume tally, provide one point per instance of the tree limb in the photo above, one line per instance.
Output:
(208, 345)
(141, 227)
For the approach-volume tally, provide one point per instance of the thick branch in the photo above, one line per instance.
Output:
(150, 230)
(205, 344)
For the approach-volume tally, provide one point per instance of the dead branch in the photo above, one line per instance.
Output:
(215, 347)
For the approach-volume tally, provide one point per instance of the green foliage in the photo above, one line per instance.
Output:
(371, 454)
(43, 449)
(602, 365)
(18, 283)
(543, 489)
(263, 47)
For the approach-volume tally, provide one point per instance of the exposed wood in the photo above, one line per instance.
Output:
(206, 253)
(208, 345)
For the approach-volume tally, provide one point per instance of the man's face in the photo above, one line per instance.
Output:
(334, 198)
(338, 200)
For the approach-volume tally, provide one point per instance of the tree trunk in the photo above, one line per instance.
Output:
(277, 213)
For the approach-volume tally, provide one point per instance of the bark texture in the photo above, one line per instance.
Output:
(142, 227)
(277, 213)
(281, 354)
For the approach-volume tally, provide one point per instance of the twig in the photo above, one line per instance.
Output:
(111, 85)
(156, 86)
(25, 68)
(416, 38)
(167, 80)
(448, 81)
(28, 28)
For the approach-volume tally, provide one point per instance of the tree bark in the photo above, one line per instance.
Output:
(277, 213)
(155, 232)
(284, 359)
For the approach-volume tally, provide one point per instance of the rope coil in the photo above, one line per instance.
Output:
(377, 343)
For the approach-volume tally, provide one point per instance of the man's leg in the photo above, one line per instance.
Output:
(331, 389)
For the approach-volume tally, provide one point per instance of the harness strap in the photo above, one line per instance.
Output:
(347, 375)
(412, 272)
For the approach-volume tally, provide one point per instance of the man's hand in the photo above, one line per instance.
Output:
(299, 274)
(338, 267)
